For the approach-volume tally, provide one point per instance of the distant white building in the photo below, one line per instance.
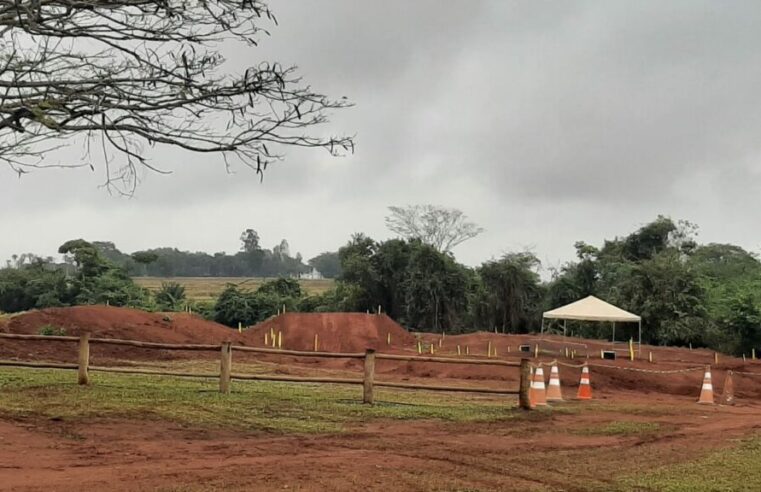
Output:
(313, 275)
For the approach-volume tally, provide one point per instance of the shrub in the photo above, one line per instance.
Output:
(50, 330)
(171, 296)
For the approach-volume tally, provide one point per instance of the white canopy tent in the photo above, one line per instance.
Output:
(593, 309)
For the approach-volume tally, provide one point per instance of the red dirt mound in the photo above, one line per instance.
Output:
(131, 324)
(111, 322)
(336, 332)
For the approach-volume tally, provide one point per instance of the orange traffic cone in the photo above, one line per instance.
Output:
(706, 391)
(728, 395)
(585, 389)
(553, 389)
(536, 395)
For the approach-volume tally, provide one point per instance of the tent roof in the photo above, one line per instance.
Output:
(591, 309)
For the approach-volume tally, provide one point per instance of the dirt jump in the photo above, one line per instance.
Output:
(673, 370)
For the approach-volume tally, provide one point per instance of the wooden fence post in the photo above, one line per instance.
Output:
(367, 395)
(523, 399)
(225, 367)
(84, 359)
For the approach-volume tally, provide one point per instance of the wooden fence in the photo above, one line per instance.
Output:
(226, 375)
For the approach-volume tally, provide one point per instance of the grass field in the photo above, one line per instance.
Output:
(293, 434)
(262, 406)
(208, 288)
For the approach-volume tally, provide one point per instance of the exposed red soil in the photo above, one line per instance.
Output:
(336, 332)
(351, 332)
(45, 455)
(110, 322)
(552, 453)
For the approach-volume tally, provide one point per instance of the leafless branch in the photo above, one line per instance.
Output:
(442, 228)
(132, 74)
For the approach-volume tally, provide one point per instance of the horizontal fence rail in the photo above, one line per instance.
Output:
(338, 355)
(449, 360)
(115, 341)
(226, 375)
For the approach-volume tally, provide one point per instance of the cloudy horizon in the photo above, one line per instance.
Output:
(545, 123)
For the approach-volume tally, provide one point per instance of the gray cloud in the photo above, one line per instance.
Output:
(545, 122)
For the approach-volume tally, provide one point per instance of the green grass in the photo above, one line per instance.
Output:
(208, 288)
(733, 469)
(252, 406)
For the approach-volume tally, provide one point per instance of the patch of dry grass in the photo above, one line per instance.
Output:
(208, 288)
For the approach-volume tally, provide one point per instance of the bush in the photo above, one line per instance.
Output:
(170, 297)
(33, 286)
(235, 305)
(50, 330)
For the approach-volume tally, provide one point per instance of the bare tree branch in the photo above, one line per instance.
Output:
(137, 73)
(442, 228)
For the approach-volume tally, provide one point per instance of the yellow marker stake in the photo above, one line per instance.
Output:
(650, 357)
(743, 357)
(240, 327)
(419, 348)
(631, 349)
(274, 341)
(508, 349)
(388, 339)
(315, 342)
(280, 339)
(753, 354)
(458, 350)
(467, 350)
(715, 357)
(488, 350)
(441, 340)
(266, 339)
(601, 355)
(431, 349)
(536, 351)
(495, 351)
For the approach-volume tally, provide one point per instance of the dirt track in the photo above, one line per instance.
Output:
(353, 332)
(37, 455)
(516, 455)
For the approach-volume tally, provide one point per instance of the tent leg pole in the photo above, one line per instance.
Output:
(640, 338)
(542, 332)
(614, 333)
(564, 326)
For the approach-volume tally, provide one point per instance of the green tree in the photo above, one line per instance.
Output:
(170, 297)
(38, 285)
(745, 321)
(512, 291)
(100, 281)
(436, 290)
(327, 263)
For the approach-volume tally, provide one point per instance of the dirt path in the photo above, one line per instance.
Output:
(563, 451)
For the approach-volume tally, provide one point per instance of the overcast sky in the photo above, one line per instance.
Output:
(545, 122)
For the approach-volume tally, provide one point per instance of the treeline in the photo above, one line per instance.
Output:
(687, 293)
(251, 261)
